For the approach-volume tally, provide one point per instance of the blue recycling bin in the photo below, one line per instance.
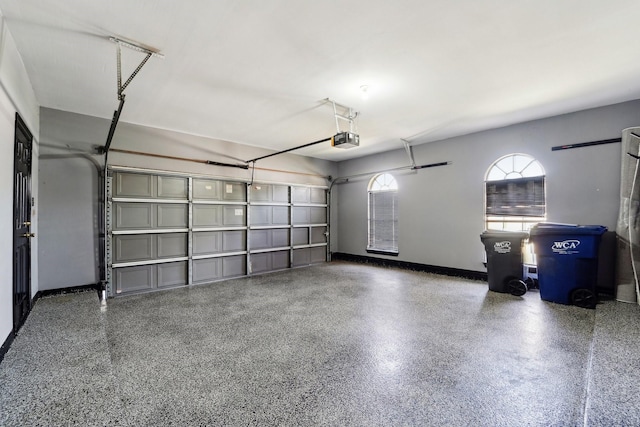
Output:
(567, 257)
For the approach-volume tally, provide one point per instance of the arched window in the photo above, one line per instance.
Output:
(514, 193)
(383, 214)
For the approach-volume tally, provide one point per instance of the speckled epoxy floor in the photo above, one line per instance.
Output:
(336, 344)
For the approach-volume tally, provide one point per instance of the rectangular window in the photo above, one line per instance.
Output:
(522, 197)
(383, 222)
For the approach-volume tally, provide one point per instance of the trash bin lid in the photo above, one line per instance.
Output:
(571, 229)
(500, 234)
(503, 233)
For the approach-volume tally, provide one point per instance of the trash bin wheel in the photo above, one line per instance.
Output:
(531, 283)
(584, 298)
(517, 287)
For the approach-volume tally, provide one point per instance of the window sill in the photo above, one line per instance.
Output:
(382, 252)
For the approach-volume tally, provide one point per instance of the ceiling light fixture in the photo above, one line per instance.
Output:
(364, 89)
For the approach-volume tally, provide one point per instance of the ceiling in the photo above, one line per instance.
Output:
(258, 72)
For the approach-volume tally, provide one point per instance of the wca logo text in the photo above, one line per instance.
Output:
(502, 247)
(565, 246)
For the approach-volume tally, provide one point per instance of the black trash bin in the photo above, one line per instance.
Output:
(504, 260)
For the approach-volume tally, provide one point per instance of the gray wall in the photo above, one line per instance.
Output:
(68, 210)
(69, 181)
(441, 209)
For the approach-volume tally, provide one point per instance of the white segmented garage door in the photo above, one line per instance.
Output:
(167, 231)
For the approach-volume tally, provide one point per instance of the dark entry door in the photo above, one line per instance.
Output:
(21, 224)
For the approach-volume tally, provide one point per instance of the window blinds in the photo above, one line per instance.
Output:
(516, 197)
(383, 221)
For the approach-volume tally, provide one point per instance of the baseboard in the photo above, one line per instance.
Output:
(6, 344)
(63, 291)
(383, 262)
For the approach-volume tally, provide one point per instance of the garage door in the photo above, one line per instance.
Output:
(168, 231)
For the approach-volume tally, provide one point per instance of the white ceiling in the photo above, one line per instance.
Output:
(256, 72)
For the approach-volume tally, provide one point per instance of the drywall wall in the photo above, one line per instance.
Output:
(68, 212)
(69, 181)
(441, 209)
(7, 117)
(16, 95)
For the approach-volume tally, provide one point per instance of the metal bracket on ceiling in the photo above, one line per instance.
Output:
(348, 115)
(409, 150)
(121, 87)
(149, 53)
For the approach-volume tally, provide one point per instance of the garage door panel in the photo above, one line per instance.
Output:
(300, 194)
(207, 270)
(134, 216)
(133, 185)
(172, 274)
(260, 215)
(280, 260)
(233, 216)
(260, 239)
(269, 193)
(318, 195)
(205, 189)
(269, 261)
(207, 216)
(172, 187)
(234, 191)
(130, 248)
(280, 193)
(318, 235)
(260, 193)
(318, 254)
(280, 237)
(207, 242)
(233, 241)
(261, 262)
(269, 215)
(318, 215)
(269, 238)
(172, 245)
(233, 266)
(300, 236)
(280, 215)
(139, 278)
(301, 215)
(301, 257)
(172, 216)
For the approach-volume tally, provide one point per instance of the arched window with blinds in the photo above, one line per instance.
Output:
(515, 193)
(383, 215)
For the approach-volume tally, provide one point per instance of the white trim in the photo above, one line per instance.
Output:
(312, 245)
(218, 202)
(199, 229)
(159, 201)
(148, 262)
(270, 204)
(154, 231)
(261, 251)
(313, 205)
(218, 255)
